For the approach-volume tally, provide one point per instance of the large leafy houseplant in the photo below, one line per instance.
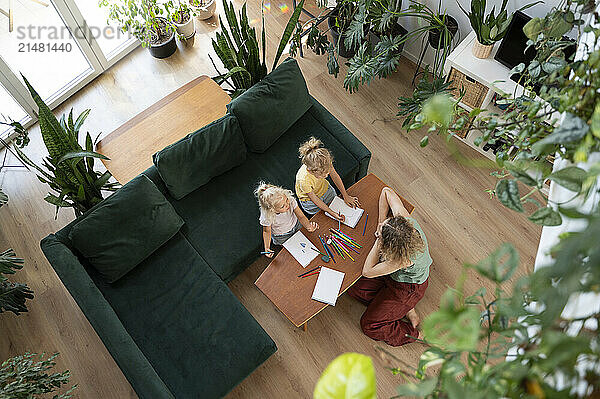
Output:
(69, 168)
(12, 295)
(239, 51)
(147, 20)
(29, 376)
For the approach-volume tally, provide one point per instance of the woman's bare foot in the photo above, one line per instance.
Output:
(413, 317)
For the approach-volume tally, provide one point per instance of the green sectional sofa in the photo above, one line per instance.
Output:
(148, 266)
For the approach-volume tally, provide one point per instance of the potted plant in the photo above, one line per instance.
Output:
(145, 20)
(339, 22)
(442, 29)
(203, 9)
(491, 28)
(183, 21)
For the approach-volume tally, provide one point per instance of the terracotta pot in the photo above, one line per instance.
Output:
(204, 12)
(481, 50)
(186, 29)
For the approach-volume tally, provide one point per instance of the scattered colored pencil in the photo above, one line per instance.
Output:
(337, 248)
(310, 271)
(345, 238)
(316, 250)
(327, 249)
(310, 274)
(343, 248)
(348, 247)
(267, 252)
(339, 224)
(365, 228)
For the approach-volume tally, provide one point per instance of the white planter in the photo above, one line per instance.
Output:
(187, 29)
(206, 11)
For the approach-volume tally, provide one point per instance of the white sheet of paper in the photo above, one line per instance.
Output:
(328, 286)
(300, 248)
(352, 215)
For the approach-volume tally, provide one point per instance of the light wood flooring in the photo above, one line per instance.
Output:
(461, 222)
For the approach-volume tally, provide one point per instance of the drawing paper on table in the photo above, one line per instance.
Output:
(352, 215)
(299, 246)
(328, 286)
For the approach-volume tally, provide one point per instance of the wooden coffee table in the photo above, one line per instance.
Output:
(131, 146)
(292, 294)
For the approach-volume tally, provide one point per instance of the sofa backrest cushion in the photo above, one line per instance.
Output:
(271, 106)
(206, 153)
(125, 228)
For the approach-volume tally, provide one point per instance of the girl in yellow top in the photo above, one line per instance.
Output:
(312, 188)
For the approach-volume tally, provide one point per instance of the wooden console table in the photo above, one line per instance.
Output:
(131, 146)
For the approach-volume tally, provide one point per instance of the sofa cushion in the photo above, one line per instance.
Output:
(125, 228)
(196, 334)
(195, 159)
(271, 106)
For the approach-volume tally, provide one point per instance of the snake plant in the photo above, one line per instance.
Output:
(69, 168)
(491, 28)
(238, 49)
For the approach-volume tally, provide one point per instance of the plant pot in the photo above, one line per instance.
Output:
(481, 50)
(434, 35)
(343, 51)
(166, 47)
(186, 29)
(205, 11)
(189, 41)
(397, 30)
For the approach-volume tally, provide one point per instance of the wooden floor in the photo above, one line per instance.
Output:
(461, 222)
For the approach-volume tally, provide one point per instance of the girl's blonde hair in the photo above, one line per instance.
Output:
(400, 240)
(269, 196)
(316, 158)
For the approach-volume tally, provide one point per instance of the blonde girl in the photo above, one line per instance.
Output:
(312, 188)
(280, 216)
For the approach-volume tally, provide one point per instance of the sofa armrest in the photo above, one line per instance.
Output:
(344, 136)
(136, 368)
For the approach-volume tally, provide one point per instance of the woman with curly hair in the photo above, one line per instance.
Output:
(395, 275)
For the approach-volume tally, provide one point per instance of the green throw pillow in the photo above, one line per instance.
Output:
(125, 228)
(195, 159)
(271, 106)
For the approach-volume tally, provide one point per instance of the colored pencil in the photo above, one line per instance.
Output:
(351, 242)
(348, 247)
(316, 250)
(339, 224)
(347, 237)
(365, 228)
(337, 248)
(267, 252)
(310, 271)
(310, 274)
(327, 249)
(344, 249)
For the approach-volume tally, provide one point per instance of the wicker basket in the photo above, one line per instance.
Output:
(465, 130)
(481, 50)
(475, 92)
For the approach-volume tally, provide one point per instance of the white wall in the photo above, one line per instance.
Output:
(413, 49)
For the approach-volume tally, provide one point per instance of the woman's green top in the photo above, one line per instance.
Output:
(418, 272)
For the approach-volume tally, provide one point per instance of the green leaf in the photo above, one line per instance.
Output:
(595, 121)
(287, 33)
(546, 216)
(507, 192)
(519, 173)
(439, 109)
(454, 330)
(3, 197)
(431, 357)
(500, 265)
(424, 141)
(422, 388)
(82, 154)
(570, 177)
(571, 130)
(534, 69)
(350, 375)
(553, 64)
(9, 263)
(533, 28)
